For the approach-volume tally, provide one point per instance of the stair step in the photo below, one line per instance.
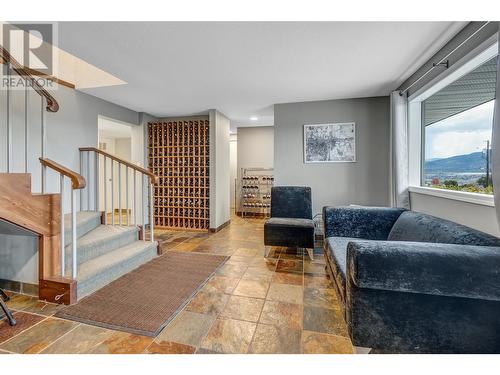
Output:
(100, 271)
(99, 241)
(85, 222)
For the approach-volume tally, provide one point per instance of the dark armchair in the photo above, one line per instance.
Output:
(291, 223)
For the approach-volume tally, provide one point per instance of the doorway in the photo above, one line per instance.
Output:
(125, 141)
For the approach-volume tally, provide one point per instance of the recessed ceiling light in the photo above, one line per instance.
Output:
(254, 118)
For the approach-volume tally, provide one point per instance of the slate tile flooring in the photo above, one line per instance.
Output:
(284, 304)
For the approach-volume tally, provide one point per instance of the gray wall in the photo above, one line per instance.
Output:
(364, 182)
(233, 167)
(476, 216)
(255, 149)
(73, 126)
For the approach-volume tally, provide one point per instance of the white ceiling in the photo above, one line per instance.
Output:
(243, 68)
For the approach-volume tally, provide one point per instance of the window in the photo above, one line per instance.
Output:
(457, 127)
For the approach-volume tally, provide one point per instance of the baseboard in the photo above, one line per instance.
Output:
(19, 287)
(253, 215)
(220, 227)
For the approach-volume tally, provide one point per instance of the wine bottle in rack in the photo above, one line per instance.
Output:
(178, 153)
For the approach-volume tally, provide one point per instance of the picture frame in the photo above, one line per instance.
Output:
(330, 143)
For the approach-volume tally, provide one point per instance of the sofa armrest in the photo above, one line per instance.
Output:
(428, 268)
(373, 223)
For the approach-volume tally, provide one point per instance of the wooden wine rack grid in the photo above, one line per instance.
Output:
(179, 156)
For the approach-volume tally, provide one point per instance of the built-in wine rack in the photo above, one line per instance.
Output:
(179, 156)
(255, 191)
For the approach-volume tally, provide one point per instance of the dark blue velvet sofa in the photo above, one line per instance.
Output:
(411, 282)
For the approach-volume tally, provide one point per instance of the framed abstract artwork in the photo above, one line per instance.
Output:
(330, 143)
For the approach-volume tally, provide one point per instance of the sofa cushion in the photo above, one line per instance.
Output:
(373, 223)
(418, 227)
(289, 232)
(336, 248)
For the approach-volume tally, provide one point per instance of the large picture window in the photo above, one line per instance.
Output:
(457, 127)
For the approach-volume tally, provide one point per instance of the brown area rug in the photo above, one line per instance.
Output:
(145, 300)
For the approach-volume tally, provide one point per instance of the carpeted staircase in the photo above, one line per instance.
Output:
(105, 252)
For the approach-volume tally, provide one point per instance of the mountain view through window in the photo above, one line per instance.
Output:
(458, 122)
(458, 151)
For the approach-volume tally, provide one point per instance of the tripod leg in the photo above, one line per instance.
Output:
(7, 312)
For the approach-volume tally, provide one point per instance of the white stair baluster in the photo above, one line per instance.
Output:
(151, 209)
(9, 132)
(26, 104)
(42, 144)
(120, 194)
(73, 235)
(143, 196)
(112, 192)
(63, 253)
(105, 192)
(96, 185)
(135, 198)
(88, 179)
(126, 195)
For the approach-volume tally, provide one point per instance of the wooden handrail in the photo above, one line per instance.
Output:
(52, 105)
(154, 178)
(77, 180)
(59, 81)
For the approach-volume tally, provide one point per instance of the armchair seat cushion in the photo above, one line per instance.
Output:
(290, 222)
(279, 231)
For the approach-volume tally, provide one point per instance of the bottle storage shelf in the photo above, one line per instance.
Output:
(255, 191)
(179, 156)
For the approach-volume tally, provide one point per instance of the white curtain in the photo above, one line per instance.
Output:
(495, 146)
(399, 151)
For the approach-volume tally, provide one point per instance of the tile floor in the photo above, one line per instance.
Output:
(251, 305)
